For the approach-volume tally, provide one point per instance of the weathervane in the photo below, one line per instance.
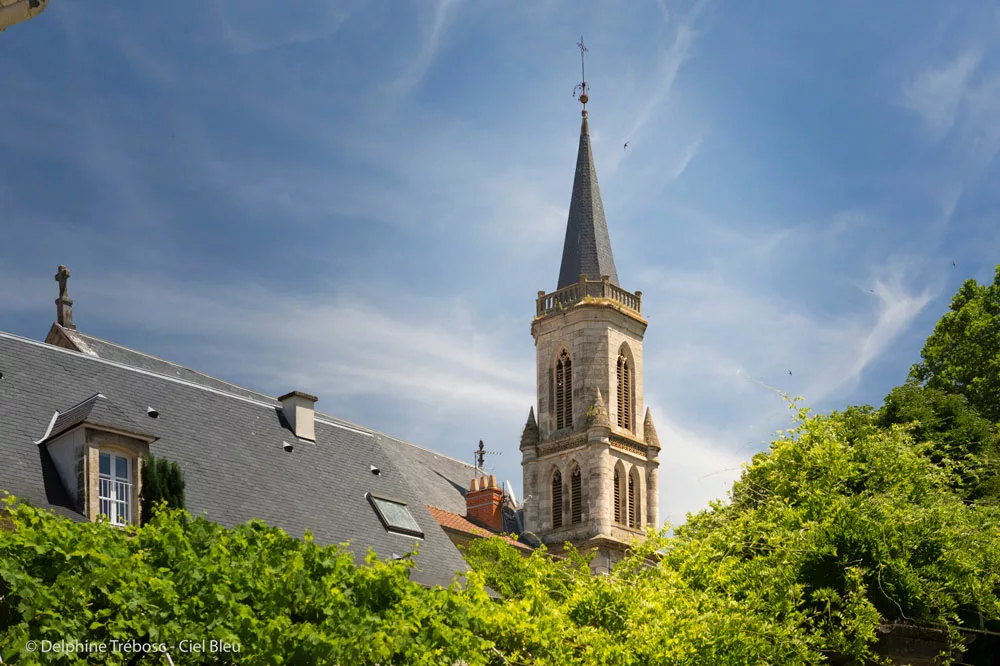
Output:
(582, 86)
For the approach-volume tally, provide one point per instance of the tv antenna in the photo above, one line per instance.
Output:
(480, 456)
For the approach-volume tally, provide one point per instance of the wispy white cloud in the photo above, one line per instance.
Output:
(418, 65)
(983, 101)
(249, 26)
(685, 158)
(898, 305)
(669, 65)
(936, 93)
(846, 221)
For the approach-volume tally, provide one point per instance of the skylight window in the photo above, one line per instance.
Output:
(395, 516)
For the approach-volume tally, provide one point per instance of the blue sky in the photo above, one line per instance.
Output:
(361, 199)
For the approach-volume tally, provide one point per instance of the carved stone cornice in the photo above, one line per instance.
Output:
(562, 444)
(629, 444)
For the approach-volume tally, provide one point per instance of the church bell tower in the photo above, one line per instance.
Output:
(590, 462)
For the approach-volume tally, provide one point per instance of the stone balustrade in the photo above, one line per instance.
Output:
(585, 289)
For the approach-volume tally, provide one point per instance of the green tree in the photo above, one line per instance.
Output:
(867, 524)
(162, 481)
(953, 434)
(963, 354)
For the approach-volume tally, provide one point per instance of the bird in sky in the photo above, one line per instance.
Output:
(953, 265)
(789, 373)
(625, 146)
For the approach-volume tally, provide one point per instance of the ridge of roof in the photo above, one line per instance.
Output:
(132, 368)
(93, 338)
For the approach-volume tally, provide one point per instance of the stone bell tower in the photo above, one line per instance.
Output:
(590, 462)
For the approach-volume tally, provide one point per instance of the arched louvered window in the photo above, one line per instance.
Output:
(618, 497)
(557, 500)
(631, 500)
(576, 496)
(624, 392)
(564, 391)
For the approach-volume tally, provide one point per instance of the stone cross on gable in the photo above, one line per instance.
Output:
(62, 276)
(64, 304)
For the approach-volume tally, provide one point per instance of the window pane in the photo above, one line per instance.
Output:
(121, 467)
(396, 515)
(106, 463)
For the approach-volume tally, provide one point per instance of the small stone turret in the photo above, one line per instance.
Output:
(652, 478)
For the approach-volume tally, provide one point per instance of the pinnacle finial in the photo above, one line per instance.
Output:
(648, 431)
(530, 434)
(598, 413)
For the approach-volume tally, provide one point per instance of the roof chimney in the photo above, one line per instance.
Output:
(483, 503)
(299, 410)
(64, 304)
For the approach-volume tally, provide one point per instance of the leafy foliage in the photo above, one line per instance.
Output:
(951, 433)
(871, 528)
(963, 354)
(282, 600)
(162, 482)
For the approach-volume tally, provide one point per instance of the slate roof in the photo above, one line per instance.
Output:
(229, 445)
(96, 410)
(137, 359)
(587, 248)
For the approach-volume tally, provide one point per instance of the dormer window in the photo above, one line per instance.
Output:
(96, 446)
(115, 491)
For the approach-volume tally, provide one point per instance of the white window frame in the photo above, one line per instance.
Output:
(114, 492)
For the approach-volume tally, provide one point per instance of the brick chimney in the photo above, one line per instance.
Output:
(484, 501)
(299, 410)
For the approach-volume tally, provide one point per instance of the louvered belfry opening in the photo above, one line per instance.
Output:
(557, 503)
(618, 498)
(624, 392)
(631, 501)
(576, 496)
(564, 391)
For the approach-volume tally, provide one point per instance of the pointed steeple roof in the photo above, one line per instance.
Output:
(587, 249)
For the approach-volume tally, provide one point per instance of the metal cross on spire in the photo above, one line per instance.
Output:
(582, 86)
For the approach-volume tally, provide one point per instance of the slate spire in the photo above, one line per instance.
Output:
(587, 249)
